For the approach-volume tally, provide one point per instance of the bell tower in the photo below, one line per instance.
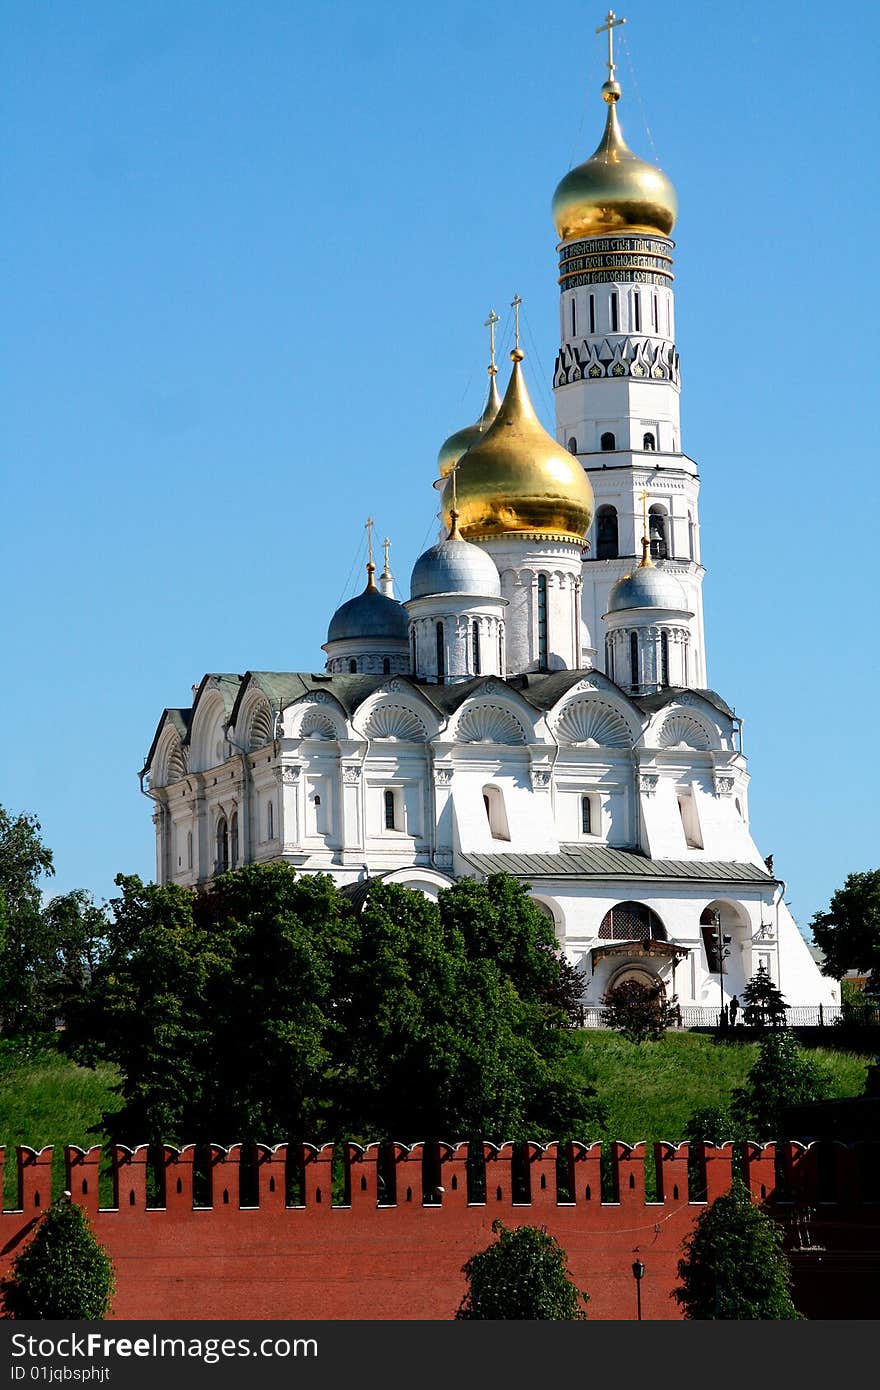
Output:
(616, 379)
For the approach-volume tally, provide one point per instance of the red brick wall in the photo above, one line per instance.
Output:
(362, 1260)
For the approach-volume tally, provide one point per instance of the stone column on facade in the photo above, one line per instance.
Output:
(443, 816)
(290, 807)
(352, 805)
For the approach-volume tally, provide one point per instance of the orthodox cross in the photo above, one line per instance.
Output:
(490, 324)
(514, 304)
(369, 530)
(646, 539)
(386, 546)
(611, 23)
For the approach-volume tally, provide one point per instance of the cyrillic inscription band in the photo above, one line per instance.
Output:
(601, 260)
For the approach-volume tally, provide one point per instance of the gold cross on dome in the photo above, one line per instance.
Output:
(611, 23)
(514, 304)
(490, 324)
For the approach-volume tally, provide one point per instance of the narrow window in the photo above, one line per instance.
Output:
(189, 849)
(586, 816)
(352, 666)
(413, 645)
(543, 644)
(389, 809)
(500, 651)
(233, 837)
(606, 533)
(637, 311)
(633, 660)
(684, 663)
(573, 316)
(609, 658)
(655, 315)
(386, 666)
(493, 800)
(691, 537)
(441, 655)
(649, 442)
(270, 821)
(664, 658)
(690, 821)
(475, 637)
(614, 311)
(572, 445)
(222, 845)
(592, 313)
(607, 442)
(668, 319)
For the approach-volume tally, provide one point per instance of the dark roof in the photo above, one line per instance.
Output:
(602, 862)
(651, 703)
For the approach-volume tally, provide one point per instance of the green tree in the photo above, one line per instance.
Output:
(62, 1273)
(848, 934)
(734, 1265)
(523, 1274)
(763, 1004)
(267, 1008)
(781, 1075)
(24, 860)
(641, 1012)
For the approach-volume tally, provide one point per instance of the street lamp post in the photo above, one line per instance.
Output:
(638, 1274)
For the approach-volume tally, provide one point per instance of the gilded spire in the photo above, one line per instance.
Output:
(646, 563)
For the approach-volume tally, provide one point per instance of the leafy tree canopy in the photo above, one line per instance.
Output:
(523, 1274)
(734, 1265)
(639, 1011)
(848, 934)
(62, 1272)
(267, 1008)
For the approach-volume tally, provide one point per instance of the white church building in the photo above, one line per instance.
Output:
(539, 704)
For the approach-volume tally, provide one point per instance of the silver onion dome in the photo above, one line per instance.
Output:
(369, 614)
(455, 566)
(647, 587)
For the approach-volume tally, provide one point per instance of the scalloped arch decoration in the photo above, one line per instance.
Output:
(395, 722)
(490, 724)
(174, 767)
(593, 722)
(260, 727)
(681, 731)
(316, 724)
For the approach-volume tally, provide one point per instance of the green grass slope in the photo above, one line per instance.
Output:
(650, 1089)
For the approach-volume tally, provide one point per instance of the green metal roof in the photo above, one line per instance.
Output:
(602, 862)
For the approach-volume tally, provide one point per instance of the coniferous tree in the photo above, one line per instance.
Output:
(782, 1075)
(763, 1004)
(734, 1265)
(524, 1275)
(62, 1272)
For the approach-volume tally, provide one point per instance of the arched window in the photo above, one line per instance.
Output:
(543, 642)
(633, 659)
(233, 840)
(609, 658)
(586, 816)
(631, 922)
(475, 640)
(389, 809)
(572, 445)
(657, 533)
(222, 845)
(714, 940)
(648, 441)
(270, 821)
(441, 655)
(386, 666)
(664, 658)
(352, 666)
(606, 534)
(607, 442)
(493, 800)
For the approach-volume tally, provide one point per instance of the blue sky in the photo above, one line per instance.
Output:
(248, 250)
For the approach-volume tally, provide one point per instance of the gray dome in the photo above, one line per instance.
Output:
(369, 614)
(455, 566)
(647, 588)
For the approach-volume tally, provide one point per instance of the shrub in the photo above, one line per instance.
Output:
(639, 1011)
(524, 1274)
(62, 1272)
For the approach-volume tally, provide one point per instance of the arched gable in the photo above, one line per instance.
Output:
(396, 712)
(594, 714)
(687, 725)
(256, 722)
(316, 715)
(489, 721)
(209, 746)
(169, 762)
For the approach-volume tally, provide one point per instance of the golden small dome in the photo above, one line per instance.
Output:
(614, 191)
(517, 478)
(458, 444)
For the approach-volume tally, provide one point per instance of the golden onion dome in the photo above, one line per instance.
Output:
(518, 479)
(458, 444)
(614, 191)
